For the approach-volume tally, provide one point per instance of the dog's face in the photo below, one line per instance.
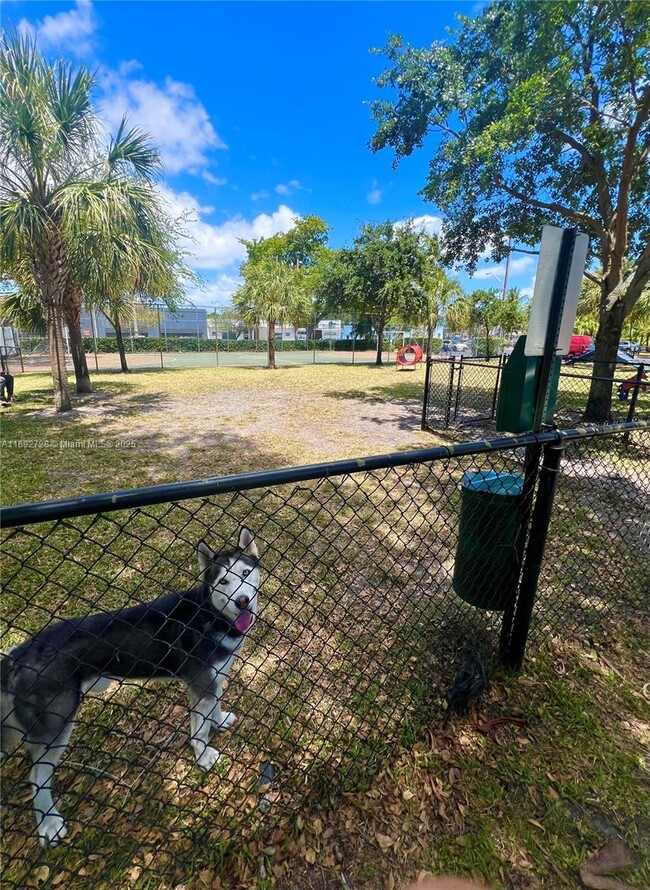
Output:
(233, 578)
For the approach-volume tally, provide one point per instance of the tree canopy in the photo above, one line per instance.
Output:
(378, 276)
(80, 219)
(535, 114)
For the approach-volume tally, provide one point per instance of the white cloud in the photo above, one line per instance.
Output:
(215, 293)
(518, 264)
(432, 225)
(171, 114)
(217, 246)
(375, 193)
(288, 188)
(70, 31)
(213, 180)
(257, 196)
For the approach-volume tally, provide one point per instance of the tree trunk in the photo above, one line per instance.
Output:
(51, 274)
(57, 357)
(120, 343)
(72, 312)
(271, 345)
(429, 340)
(487, 340)
(599, 404)
(380, 342)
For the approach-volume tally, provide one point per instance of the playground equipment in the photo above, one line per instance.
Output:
(408, 357)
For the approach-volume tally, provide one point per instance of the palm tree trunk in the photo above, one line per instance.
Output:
(51, 273)
(120, 343)
(72, 312)
(57, 357)
(271, 344)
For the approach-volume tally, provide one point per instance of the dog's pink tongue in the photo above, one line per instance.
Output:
(244, 621)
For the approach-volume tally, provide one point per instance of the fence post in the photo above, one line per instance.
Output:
(458, 387)
(425, 401)
(512, 651)
(496, 386)
(638, 383)
(450, 391)
(162, 362)
(94, 330)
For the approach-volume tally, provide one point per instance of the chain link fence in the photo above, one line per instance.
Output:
(368, 607)
(463, 392)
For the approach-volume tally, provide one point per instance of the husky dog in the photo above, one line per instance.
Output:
(192, 636)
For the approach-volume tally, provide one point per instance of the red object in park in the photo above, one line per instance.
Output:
(579, 343)
(408, 356)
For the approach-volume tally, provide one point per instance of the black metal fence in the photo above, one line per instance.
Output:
(368, 609)
(463, 392)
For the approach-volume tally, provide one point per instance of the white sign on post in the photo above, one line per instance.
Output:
(541, 304)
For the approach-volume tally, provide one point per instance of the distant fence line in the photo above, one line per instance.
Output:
(462, 391)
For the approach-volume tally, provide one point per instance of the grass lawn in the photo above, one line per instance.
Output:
(192, 423)
(360, 634)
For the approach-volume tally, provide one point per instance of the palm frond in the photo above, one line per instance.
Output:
(130, 151)
(24, 310)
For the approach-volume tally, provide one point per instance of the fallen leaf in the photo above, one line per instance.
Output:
(385, 842)
(310, 855)
(408, 795)
(42, 874)
(612, 857)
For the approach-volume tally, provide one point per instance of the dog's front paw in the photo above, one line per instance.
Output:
(51, 830)
(225, 721)
(208, 758)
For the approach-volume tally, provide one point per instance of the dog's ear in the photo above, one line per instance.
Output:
(205, 556)
(247, 544)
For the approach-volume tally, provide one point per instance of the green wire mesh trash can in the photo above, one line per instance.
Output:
(485, 572)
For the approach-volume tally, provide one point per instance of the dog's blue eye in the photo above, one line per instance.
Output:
(245, 572)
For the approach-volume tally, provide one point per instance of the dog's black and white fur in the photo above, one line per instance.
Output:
(192, 636)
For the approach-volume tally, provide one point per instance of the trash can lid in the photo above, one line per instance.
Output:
(493, 482)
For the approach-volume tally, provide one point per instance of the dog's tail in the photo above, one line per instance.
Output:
(10, 732)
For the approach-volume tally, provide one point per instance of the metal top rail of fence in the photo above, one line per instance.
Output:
(378, 582)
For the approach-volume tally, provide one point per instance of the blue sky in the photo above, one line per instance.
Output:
(260, 111)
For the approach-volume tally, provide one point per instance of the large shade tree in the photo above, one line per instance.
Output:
(379, 276)
(536, 113)
(60, 185)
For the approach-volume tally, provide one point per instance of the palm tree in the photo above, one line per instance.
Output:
(56, 185)
(272, 291)
(443, 300)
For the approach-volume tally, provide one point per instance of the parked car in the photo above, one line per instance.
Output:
(579, 343)
(630, 347)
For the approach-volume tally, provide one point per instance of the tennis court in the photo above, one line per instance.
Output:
(111, 361)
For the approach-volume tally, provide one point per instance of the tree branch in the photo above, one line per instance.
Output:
(640, 280)
(597, 279)
(597, 167)
(620, 228)
(574, 215)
